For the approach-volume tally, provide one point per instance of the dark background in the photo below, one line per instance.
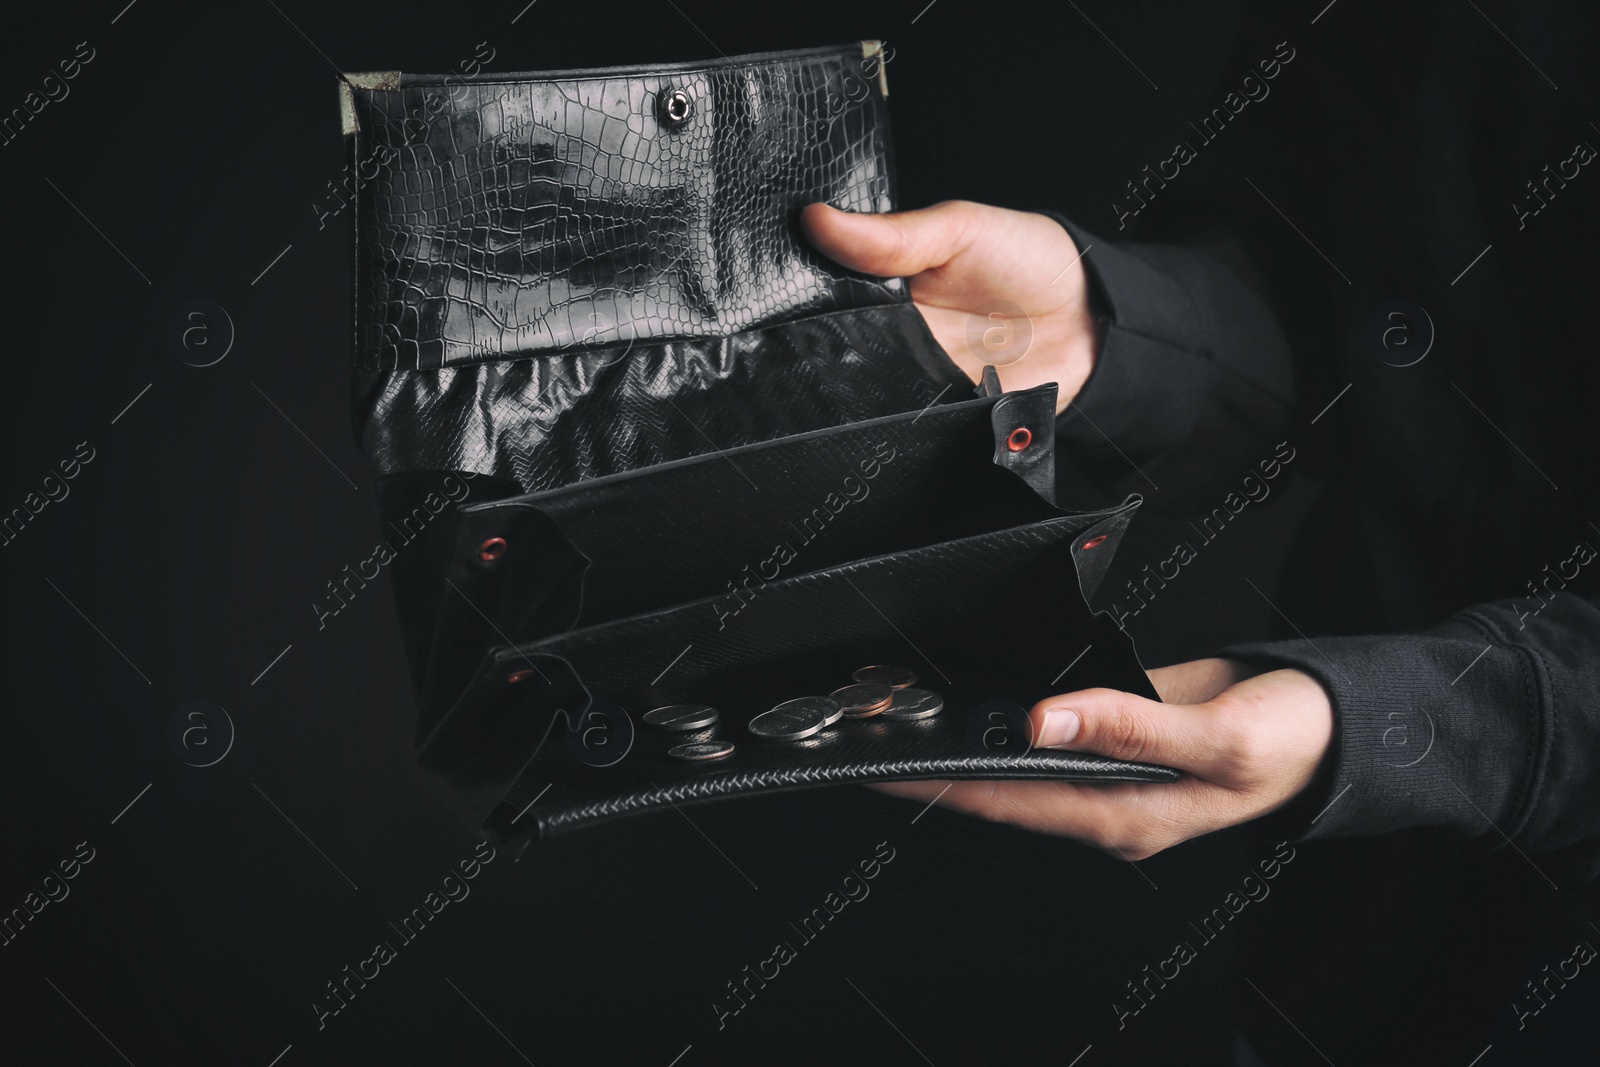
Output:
(199, 143)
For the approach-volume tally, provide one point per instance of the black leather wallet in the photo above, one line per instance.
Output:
(697, 462)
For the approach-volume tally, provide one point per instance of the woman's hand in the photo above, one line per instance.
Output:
(1247, 744)
(995, 286)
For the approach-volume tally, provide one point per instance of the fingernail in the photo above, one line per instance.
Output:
(1060, 727)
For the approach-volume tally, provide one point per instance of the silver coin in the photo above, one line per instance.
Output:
(795, 720)
(914, 704)
(701, 750)
(682, 717)
(893, 677)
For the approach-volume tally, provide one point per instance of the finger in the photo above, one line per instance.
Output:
(1097, 813)
(968, 797)
(925, 791)
(1128, 727)
(1196, 681)
(899, 244)
(1131, 820)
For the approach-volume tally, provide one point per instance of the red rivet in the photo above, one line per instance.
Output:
(520, 676)
(1094, 542)
(492, 549)
(1020, 438)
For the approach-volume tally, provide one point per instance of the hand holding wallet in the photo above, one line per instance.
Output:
(710, 467)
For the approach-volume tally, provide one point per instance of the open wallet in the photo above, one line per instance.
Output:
(686, 511)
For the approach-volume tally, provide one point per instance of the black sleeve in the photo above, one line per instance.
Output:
(1487, 726)
(1192, 382)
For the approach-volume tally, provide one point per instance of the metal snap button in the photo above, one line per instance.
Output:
(674, 106)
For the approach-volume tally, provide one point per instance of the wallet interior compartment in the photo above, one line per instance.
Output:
(703, 526)
(998, 615)
(527, 566)
(1005, 602)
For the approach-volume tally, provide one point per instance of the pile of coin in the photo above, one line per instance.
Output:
(689, 718)
(902, 701)
(876, 690)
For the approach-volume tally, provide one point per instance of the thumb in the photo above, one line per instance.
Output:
(899, 244)
(1128, 727)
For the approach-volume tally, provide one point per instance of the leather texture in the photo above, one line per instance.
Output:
(545, 421)
(979, 619)
(691, 460)
(544, 212)
(555, 282)
(611, 547)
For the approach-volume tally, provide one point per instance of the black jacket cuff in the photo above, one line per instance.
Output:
(1407, 749)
